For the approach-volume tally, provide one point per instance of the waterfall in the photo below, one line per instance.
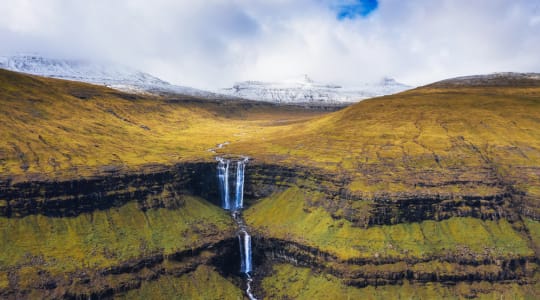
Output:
(245, 251)
(223, 177)
(235, 206)
(227, 202)
(239, 196)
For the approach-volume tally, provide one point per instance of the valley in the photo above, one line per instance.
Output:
(432, 192)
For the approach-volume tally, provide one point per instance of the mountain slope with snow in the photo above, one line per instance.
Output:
(112, 75)
(304, 90)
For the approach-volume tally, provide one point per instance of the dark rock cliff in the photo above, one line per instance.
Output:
(159, 187)
(163, 187)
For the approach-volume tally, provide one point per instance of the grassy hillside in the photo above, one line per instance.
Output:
(387, 144)
(429, 143)
(67, 129)
(433, 137)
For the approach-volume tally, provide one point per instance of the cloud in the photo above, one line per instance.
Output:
(213, 43)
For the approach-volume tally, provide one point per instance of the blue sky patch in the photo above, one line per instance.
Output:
(356, 8)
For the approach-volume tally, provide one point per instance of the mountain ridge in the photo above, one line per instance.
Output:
(301, 90)
(305, 90)
(114, 76)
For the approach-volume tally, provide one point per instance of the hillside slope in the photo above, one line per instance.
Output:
(426, 139)
(437, 184)
(63, 128)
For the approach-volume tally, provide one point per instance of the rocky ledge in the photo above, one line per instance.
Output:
(159, 186)
(376, 271)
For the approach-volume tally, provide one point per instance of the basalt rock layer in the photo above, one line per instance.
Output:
(156, 186)
(381, 271)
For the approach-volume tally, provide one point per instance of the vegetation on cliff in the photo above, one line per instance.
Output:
(203, 283)
(38, 249)
(290, 282)
(293, 220)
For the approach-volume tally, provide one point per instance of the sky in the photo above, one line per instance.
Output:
(211, 44)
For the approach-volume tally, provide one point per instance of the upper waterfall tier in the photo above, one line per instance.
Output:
(231, 191)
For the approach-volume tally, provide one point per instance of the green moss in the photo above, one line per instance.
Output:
(4, 280)
(534, 232)
(290, 282)
(203, 283)
(315, 227)
(106, 238)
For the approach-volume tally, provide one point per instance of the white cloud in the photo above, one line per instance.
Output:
(212, 43)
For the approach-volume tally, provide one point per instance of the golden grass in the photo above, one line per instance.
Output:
(385, 144)
(47, 130)
(382, 144)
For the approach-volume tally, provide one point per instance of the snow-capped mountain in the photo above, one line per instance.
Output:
(112, 75)
(304, 90)
(300, 90)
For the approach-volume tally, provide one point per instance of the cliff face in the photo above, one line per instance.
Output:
(382, 271)
(438, 232)
(159, 186)
(167, 190)
(299, 195)
(486, 199)
(155, 187)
